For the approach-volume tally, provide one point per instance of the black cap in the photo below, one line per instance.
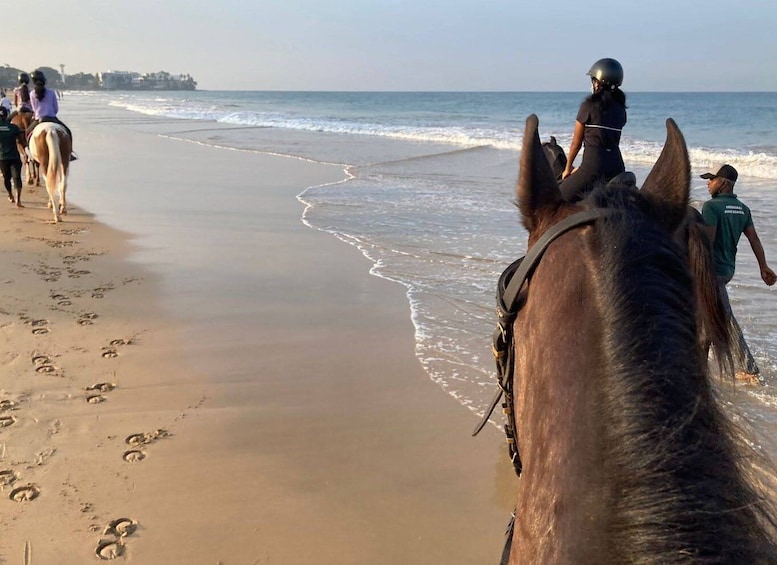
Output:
(724, 171)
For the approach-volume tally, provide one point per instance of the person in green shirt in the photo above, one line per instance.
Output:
(727, 218)
(10, 160)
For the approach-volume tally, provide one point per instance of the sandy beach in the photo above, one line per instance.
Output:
(134, 428)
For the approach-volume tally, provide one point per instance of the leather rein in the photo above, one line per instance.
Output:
(509, 301)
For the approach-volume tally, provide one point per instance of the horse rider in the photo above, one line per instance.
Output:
(598, 126)
(21, 96)
(44, 106)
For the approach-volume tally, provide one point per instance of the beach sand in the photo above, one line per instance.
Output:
(316, 437)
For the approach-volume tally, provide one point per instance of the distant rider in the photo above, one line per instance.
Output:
(21, 96)
(598, 126)
(45, 106)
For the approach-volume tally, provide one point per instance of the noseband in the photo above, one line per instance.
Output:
(509, 301)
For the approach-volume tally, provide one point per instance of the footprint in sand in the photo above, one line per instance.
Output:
(133, 456)
(40, 359)
(109, 353)
(46, 369)
(25, 493)
(7, 478)
(109, 549)
(114, 547)
(121, 527)
(95, 398)
(101, 387)
(6, 405)
(62, 299)
(87, 319)
(6, 421)
(77, 274)
(136, 440)
(40, 327)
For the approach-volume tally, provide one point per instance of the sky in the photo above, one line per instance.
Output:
(406, 45)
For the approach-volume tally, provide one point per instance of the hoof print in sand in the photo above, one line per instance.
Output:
(40, 327)
(6, 421)
(45, 369)
(101, 387)
(25, 493)
(119, 342)
(109, 549)
(7, 405)
(87, 319)
(121, 527)
(7, 478)
(39, 360)
(109, 353)
(136, 440)
(133, 456)
(95, 398)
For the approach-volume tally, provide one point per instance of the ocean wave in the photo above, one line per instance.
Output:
(753, 163)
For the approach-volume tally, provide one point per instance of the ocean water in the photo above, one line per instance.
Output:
(427, 193)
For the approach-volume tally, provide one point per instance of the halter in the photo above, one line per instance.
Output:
(509, 301)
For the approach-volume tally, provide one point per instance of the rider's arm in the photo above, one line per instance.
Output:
(574, 149)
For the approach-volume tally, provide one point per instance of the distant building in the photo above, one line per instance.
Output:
(124, 80)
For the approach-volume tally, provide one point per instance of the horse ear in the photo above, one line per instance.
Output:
(668, 185)
(537, 192)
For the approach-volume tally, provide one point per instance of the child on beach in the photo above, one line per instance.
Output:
(10, 160)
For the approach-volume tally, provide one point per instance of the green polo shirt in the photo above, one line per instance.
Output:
(730, 218)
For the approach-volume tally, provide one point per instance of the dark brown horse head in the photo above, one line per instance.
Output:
(627, 456)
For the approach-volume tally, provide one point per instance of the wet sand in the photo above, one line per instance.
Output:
(312, 436)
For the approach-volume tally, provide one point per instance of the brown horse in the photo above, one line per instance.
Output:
(23, 120)
(627, 457)
(51, 147)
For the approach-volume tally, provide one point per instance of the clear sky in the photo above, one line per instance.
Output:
(667, 45)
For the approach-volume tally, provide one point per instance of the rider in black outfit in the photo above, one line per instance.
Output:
(600, 120)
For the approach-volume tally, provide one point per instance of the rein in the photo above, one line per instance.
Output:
(509, 301)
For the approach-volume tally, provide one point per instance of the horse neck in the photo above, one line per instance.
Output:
(557, 394)
(616, 412)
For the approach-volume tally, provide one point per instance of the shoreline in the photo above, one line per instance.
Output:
(306, 415)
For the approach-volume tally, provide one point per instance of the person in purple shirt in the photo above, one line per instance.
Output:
(45, 106)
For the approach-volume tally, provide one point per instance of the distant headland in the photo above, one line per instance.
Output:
(107, 80)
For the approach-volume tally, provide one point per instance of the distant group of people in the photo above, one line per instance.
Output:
(600, 121)
(42, 103)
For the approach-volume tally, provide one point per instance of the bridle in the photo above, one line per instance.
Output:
(509, 301)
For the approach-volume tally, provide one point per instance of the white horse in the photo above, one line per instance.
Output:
(50, 146)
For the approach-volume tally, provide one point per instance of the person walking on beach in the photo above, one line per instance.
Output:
(45, 107)
(727, 218)
(598, 127)
(21, 96)
(10, 160)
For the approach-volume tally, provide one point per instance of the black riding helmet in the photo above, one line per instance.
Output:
(38, 76)
(24, 78)
(607, 71)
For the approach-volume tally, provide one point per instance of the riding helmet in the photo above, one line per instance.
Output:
(38, 76)
(24, 78)
(607, 71)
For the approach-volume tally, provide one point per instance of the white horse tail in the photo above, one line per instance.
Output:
(56, 170)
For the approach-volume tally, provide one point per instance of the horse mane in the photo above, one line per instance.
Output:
(665, 430)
